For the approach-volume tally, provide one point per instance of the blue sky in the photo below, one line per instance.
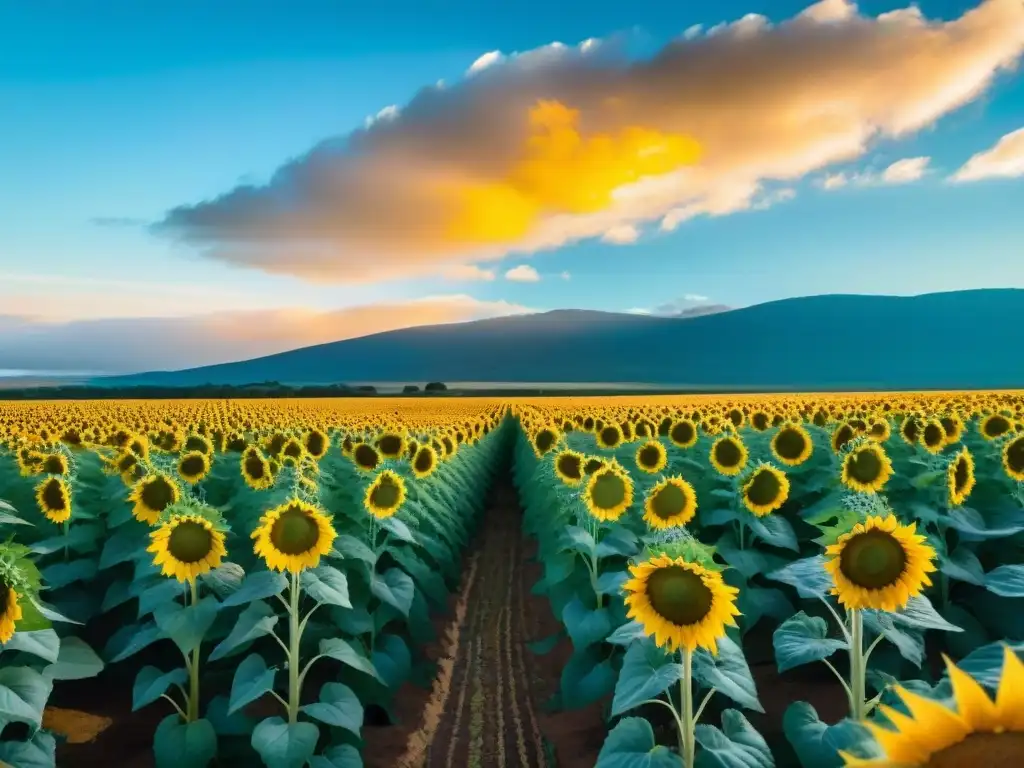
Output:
(117, 112)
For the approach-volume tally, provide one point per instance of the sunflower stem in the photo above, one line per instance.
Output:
(193, 667)
(858, 709)
(66, 527)
(175, 705)
(294, 635)
(839, 621)
(689, 742)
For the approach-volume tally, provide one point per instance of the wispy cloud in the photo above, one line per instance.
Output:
(1005, 160)
(623, 234)
(904, 171)
(524, 273)
(468, 272)
(830, 82)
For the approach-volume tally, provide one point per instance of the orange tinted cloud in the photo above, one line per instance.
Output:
(462, 175)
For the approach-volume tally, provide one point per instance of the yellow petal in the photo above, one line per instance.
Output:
(973, 704)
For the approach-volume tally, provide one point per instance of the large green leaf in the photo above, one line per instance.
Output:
(283, 745)
(394, 587)
(257, 586)
(252, 680)
(802, 639)
(584, 625)
(817, 745)
(337, 706)
(43, 643)
(647, 672)
(728, 673)
(23, 695)
(736, 745)
(151, 682)
(76, 661)
(340, 650)
(258, 619)
(327, 585)
(177, 744)
(631, 744)
(187, 625)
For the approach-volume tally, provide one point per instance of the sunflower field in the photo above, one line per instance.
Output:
(277, 561)
(266, 573)
(688, 541)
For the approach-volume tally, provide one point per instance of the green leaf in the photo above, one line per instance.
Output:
(8, 519)
(61, 574)
(176, 743)
(395, 588)
(160, 593)
(619, 542)
(736, 745)
(340, 650)
(577, 539)
(631, 744)
(281, 745)
(80, 538)
(647, 671)
(118, 593)
(76, 661)
(610, 582)
(38, 752)
(43, 643)
(921, 614)
(326, 584)
(727, 671)
(252, 680)
(187, 625)
(807, 576)
(257, 586)
(341, 756)
(586, 626)
(627, 633)
(398, 529)
(909, 641)
(224, 580)
(802, 639)
(587, 677)
(151, 682)
(817, 745)
(338, 706)
(258, 619)
(23, 695)
(131, 639)
(237, 724)
(126, 544)
(50, 613)
(349, 547)
(963, 565)
(1006, 581)
(774, 530)
(392, 660)
(986, 663)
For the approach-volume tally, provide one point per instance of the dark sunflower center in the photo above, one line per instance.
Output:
(682, 432)
(790, 444)
(760, 421)
(592, 466)
(934, 434)
(315, 443)
(255, 466)
(157, 494)
(910, 430)
(544, 440)
(190, 542)
(390, 445)
(365, 456)
(385, 494)
(961, 474)
(679, 595)
(736, 416)
(728, 453)
(669, 502)
(864, 466)
(1015, 455)
(569, 466)
(54, 465)
(764, 488)
(873, 559)
(424, 460)
(293, 449)
(948, 426)
(650, 456)
(294, 532)
(610, 436)
(608, 491)
(53, 495)
(997, 425)
(992, 750)
(842, 436)
(193, 465)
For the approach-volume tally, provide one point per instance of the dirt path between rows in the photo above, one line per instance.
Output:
(485, 709)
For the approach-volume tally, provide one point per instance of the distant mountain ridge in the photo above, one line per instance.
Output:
(957, 340)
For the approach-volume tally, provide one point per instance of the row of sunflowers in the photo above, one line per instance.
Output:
(688, 543)
(290, 552)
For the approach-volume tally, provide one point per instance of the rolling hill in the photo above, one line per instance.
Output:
(957, 340)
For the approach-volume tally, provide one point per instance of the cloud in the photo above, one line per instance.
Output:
(695, 297)
(1004, 160)
(904, 171)
(467, 272)
(565, 276)
(478, 169)
(623, 234)
(524, 273)
(123, 345)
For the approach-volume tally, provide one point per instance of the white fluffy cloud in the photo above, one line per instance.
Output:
(623, 234)
(1004, 160)
(524, 273)
(776, 102)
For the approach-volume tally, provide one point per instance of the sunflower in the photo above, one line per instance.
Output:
(10, 613)
(670, 504)
(365, 456)
(910, 429)
(53, 495)
(193, 466)
(256, 469)
(760, 420)
(981, 732)
(765, 490)
(842, 434)
(385, 495)
(544, 440)
(681, 604)
(683, 433)
(879, 430)
(651, 457)
(292, 451)
(424, 462)
(54, 464)
(293, 536)
(792, 445)
(960, 477)
(198, 443)
(593, 464)
(152, 495)
(879, 564)
(728, 455)
(569, 467)
(609, 493)
(316, 443)
(867, 468)
(995, 425)
(391, 445)
(1013, 458)
(609, 436)
(933, 436)
(186, 546)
